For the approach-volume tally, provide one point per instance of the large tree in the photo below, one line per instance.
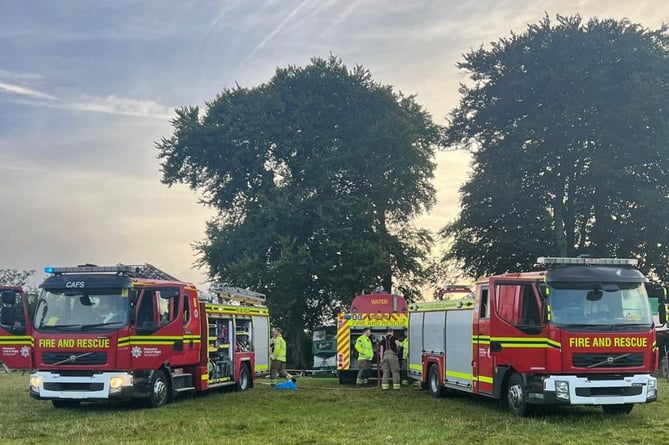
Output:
(317, 175)
(568, 125)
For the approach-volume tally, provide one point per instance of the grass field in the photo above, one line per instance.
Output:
(319, 412)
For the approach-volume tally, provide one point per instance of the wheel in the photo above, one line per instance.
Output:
(618, 409)
(516, 397)
(159, 389)
(65, 403)
(434, 382)
(244, 379)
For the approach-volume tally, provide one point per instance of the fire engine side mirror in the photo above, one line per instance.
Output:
(133, 296)
(8, 298)
(662, 313)
(8, 317)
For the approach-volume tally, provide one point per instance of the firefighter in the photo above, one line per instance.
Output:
(108, 312)
(404, 369)
(365, 354)
(278, 357)
(390, 363)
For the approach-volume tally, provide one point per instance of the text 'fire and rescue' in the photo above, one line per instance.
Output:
(620, 342)
(100, 343)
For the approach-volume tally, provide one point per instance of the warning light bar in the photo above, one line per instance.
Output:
(556, 261)
(85, 269)
(134, 271)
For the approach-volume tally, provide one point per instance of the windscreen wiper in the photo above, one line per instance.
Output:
(97, 325)
(62, 326)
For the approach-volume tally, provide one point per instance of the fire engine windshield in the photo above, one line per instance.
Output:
(584, 304)
(79, 310)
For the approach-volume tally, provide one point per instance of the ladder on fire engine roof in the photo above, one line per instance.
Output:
(149, 271)
(238, 294)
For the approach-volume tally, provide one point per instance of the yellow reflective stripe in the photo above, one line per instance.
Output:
(204, 377)
(235, 310)
(518, 342)
(484, 379)
(415, 367)
(459, 375)
(262, 367)
(156, 340)
(16, 340)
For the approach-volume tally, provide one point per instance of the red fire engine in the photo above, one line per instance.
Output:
(578, 333)
(135, 332)
(15, 331)
(377, 311)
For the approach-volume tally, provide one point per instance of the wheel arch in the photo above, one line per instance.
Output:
(501, 377)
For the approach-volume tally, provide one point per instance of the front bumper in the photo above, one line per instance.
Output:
(573, 390)
(100, 386)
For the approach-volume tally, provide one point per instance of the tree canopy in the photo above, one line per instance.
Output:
(568, 125)
(14, 277)
(317, 176)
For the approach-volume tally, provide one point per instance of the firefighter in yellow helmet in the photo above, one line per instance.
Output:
(278, 357)
(365, 355)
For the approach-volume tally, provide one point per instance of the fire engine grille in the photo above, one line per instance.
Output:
(607, 360)
(73, 386)
(598, 392)
(74, 358)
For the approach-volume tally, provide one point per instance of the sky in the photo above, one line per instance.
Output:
(88, 87)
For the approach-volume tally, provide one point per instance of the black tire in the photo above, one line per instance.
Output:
(347, 377)
(159, 391)
(244, 381)
(618, 409)
(516, 396)
(434, 382)
(66, 403)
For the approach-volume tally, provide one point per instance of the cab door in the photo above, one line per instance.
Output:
(159, 331)
(483, 361)
(518, 332)
(16, 342)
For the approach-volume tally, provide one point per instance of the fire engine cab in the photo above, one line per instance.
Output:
(136, 332)
(15, 330)
(579, 332)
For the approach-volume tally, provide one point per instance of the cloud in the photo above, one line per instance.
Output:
(111, 104)
(121, 106)
(22, 91)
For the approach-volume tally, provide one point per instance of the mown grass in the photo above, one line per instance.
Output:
(319, 412)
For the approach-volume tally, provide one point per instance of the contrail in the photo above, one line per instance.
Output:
(276, 30)
(15, 89)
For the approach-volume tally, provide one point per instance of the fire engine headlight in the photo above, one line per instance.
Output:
(35, 382)
(651, 392)
(562, 390)
(116, 383)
